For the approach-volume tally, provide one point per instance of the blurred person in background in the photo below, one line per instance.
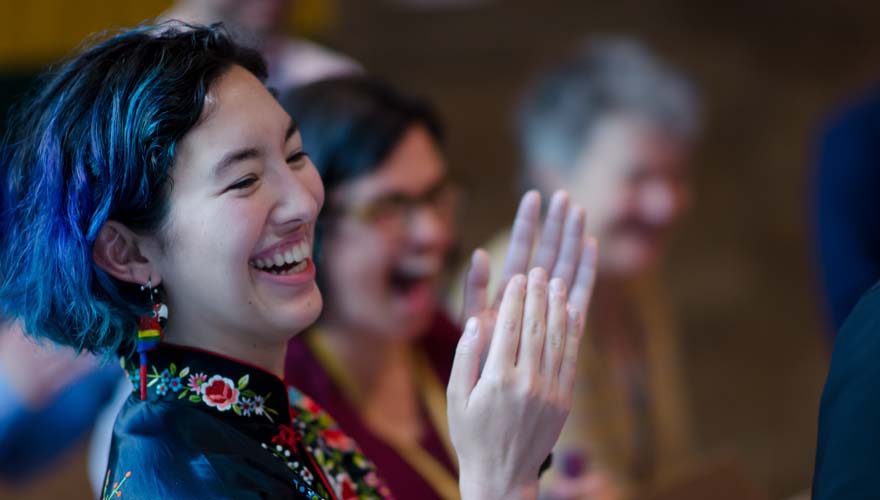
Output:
(380, 354)
(847, 186)
(292, 60)
(616, 126)
(49, 398)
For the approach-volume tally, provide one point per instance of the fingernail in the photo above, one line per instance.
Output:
(537, 273)
(470, 328)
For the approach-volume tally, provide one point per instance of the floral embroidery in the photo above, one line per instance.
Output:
(284, 446)
(215, 391)
(352, 476)
(219, 392)
(116, 492)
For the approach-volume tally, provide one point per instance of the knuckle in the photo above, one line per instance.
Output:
(509, 325)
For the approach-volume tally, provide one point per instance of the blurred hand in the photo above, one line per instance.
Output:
(562, 252)
(38, 372)
(505, 418)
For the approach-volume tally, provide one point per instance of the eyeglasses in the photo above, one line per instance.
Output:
(395, 210)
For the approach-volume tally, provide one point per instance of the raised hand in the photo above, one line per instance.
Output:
(562, 251)
(505, 418)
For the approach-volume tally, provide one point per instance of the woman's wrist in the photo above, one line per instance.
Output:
(483, 487)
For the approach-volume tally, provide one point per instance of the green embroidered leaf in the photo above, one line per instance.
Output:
(184, 372)
(151, 383)
(236, 409)
(270, 410)
(155, 372)
(196, 398)
(172, 368)
(243, 381)
(122, 362)
(248, 393)
(183, 394)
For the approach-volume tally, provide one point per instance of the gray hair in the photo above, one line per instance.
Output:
(605, 76)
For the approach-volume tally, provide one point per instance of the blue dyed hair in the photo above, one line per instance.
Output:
(95, 143)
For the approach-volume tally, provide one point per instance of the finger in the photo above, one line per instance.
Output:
(572, 244)
(505, 338)
(522, 237)
(582, 290)
(556, 331)
(548, 248)
(534, 323)
(466, 365)
(476, 285)
(568, 367)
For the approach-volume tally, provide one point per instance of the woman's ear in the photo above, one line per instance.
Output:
(118, 251)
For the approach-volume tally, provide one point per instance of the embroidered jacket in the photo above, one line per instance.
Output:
(216, 428)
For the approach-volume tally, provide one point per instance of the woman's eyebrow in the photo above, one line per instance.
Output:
(234, 157)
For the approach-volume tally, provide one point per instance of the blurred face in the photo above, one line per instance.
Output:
(632, 179)
(387, 235)
(237, 256)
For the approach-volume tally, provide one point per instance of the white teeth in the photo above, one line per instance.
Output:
(289, 256)
(295, 254)
(306, 249)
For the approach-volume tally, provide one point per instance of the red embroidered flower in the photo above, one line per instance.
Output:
(286, 437)
(219, 392)
(337, 439)
(348, 491)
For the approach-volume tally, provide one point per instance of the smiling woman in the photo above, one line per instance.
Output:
(154, 185)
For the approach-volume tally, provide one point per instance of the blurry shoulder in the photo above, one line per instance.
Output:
(857, 346)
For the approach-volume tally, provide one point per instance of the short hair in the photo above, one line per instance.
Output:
(350, 124)
(605, 76)
(96, 142)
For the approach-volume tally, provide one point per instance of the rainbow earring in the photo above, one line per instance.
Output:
(150, 328)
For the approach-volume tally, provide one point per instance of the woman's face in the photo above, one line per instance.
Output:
(632, 179)
(237, 245)
(386, 240)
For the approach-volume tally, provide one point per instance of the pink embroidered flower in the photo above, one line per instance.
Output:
(196, 381)
(372, 480)
(219, 392)
(337, 439)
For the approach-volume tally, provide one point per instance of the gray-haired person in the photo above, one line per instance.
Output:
(615, 126)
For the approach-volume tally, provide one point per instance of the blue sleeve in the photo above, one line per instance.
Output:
(847, 207)
(29, 439)
(848, 448)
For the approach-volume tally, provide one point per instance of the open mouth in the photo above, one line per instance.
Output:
(287, 260)
(413, 273)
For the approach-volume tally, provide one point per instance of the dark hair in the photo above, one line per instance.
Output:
(349, 125)
(96, 142)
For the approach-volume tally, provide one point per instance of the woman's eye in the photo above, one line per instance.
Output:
(297, 157)
(243, 184)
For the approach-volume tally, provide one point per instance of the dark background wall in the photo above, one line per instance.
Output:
(741, 275)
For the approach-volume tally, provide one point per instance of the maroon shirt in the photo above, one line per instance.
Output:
(305, 372)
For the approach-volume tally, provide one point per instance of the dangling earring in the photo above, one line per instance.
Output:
(150, 331)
